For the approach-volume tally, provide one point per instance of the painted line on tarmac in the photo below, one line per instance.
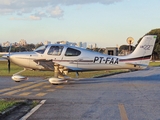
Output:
(16, 87)
(47, 86)
(123, 113)
(25, 94)
(51, 90)
(36, 89)
(41, 94)
(59, 87)
(33, 110)
(23, 89)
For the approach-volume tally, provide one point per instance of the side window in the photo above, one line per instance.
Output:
(72, 52)
(55, 50)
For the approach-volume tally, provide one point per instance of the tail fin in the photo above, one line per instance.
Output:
(145, 47)
(142, 54)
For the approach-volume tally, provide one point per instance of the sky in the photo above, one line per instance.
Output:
(107, 23)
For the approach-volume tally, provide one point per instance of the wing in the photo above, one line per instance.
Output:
(47, 64)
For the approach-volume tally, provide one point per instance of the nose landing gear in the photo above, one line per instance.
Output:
(17, 78)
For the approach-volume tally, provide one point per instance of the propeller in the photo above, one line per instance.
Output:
(8, 57)
(9, 65)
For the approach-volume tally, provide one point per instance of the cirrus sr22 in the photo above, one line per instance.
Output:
(63, 59)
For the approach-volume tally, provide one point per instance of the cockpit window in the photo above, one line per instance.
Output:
(41, 49)
(55, 50)
(72, 52)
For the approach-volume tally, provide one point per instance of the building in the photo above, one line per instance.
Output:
(15, 44)
(6, 44)
(95, 45)
(63, 42)
(79, 44)
(84, 45)
(22, 42)
(111, 51)
(47, 42)
(67, 43)
(90, 46)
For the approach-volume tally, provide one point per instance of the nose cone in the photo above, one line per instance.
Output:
(21, 58)
(16, 58)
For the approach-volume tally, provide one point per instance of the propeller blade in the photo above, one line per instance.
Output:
(9, 65)
(9, 50)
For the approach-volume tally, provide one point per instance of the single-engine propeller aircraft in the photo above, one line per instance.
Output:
(62, 59)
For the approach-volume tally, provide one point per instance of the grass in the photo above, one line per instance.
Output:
(15, 69)
(34, 103)
(154, 64)
(6, 104)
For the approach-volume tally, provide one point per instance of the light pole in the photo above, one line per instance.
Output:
(130, 41)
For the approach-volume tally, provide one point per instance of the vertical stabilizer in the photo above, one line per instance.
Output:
(142, 54)
(145, 47)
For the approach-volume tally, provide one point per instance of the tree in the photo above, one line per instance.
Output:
(96, 49)
(101, 50)
(125, 48)
(29, 47)
(156, 50)
(38, 45)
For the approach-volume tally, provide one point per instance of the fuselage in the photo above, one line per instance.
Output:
(73, 58)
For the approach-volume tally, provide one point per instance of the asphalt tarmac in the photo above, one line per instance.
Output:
(126, 96)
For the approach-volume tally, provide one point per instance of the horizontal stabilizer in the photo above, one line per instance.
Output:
(143, 65)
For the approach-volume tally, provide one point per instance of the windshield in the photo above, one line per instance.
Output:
(41, 49)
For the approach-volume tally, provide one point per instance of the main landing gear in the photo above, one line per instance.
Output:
(59, 75)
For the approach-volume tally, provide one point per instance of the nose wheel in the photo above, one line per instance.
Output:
(17, 78)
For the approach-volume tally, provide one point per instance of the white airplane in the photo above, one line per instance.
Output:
(63, 59)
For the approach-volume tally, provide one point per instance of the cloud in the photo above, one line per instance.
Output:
(78, 2)
(56, 12)
(5, 2)
(14, 18)
(5, 11)
(33, 7)
(33, 17)
(38, 15)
